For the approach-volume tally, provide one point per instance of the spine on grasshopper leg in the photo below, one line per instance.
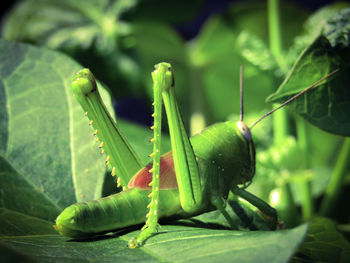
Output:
(117, 211)
(152, 216)
(162, 79)
(120, 155)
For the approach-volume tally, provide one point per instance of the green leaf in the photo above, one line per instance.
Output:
(68, 24)
(90, 31)
(45, 138)
(256, 52)
(100, 34)
(316, 23)
(326, 106)
(18, 194)
(313, 27)
(324, 243)
(36, 239)
(9, 255)
(46, 145)
(337, 29)
(171, 244)
(18, 224)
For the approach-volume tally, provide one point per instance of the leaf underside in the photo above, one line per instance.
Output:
(328, 105)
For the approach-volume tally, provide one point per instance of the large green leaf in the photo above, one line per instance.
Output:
(45, 141)
(46, 146)
(35, 240)
(313, 27)
(324, 243)
(326, 106)
(19, 194)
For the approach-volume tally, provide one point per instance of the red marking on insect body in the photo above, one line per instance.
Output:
(167, 177)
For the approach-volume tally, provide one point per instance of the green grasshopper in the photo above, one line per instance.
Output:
(196, 176)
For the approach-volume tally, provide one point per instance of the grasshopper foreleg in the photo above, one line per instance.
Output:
(264, 207)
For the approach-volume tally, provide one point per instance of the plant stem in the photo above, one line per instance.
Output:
(288, 211)
(274, 28)
(280, 126)
(280, 120)
(335, 185)
(306, 195)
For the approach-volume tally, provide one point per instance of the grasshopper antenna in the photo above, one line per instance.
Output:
(241, 90)
(293, 98)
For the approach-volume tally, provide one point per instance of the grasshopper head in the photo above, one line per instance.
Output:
(244, 134)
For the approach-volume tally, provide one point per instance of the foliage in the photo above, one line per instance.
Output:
(324, 243)
(48, 159)
(327, 52)
(112, 38)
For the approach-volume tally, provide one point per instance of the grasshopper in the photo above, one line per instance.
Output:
(196, 176)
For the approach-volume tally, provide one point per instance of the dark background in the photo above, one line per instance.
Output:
(190, 29)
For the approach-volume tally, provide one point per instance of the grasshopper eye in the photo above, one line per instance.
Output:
(244, 130)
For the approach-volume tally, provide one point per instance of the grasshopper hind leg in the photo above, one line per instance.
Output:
(151, 224)
(185, 165)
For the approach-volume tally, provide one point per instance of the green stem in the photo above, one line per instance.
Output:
(302, 137)
(280, 126)
(274, 28)
(307, 205)
(287, 210)
(335, 185)
(280, 119)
